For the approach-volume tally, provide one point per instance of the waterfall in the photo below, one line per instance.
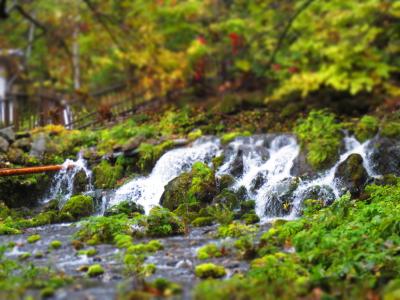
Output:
(64, 182)
(261, 165)
(147, 190)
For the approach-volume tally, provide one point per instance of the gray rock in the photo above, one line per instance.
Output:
(385, 155)
(4, 145)
(301, 168)
(352, 175)
(38, 145)
(8, 134)
(280, 200)
(24, 144)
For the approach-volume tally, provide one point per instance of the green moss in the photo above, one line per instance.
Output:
(149, 154)
(209, 251)
(88, 252)
(106, 176)
(195, 134)
(5, 230)
(209, 270)
(165, 287)
(152, 246)
(366, 128)
(321, 137)
(250, 218)
(95, 270)
(79, 206)
(124, 207)
(24, 256)
(33, 238)
(55, 244)
(390, 129)
(202, 221)
(229, 137)
(47, 292)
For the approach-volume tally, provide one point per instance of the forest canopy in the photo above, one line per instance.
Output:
(284, 47)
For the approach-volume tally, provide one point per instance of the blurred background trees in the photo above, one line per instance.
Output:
(284, 48)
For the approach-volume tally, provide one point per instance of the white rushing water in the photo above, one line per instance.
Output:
(63, 184)
(147, 190)
(262, 165)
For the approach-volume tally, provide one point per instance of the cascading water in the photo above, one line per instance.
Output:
(147, 191)
(261, 165)
(63, 183)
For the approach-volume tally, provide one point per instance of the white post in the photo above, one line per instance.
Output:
(3, 85)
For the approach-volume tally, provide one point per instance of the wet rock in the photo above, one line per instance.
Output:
(385, 155)
(227, 198)
(8, 133)
(3, 145)
(352, 175)
(280, 199)
(258, 182)
(19, 191)
(197, 185)
(236, 168)
(319, 192)
(125, 207)
(225, 181)
(301, 168)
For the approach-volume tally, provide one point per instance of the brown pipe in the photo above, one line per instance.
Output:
(32, 170)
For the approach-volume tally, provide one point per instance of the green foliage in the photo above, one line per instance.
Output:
(162, 222)
(106, 176)
(209, 270)
(149, 154)
(78, 206)
(221, 213)
(320, 136)
(209, 251)
(150, 247)
(235, 230)
(366, 128)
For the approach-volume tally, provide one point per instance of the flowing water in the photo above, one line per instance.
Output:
(63, 184)
(261, 164)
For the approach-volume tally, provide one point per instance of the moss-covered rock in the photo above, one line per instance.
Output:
(250, 218)
(209, 251)
(95, 270)
(79, 206)
(106, 175)
(33, 238)
(209, 270)
(196, 186)
(203, 221)
(26, 190)
(352, 174)
(124, 207)
(55, 244)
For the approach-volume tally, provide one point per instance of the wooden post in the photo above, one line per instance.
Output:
(32, 170)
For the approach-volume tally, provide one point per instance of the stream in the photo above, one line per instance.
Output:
(264, 165)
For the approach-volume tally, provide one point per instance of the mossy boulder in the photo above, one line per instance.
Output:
(385, 155)
(225, 181)
(209, 270)
(124, 207)
(198, 185)
(202, 221)
(95, 270)
(227, 198)
(352, 174)
(23, 191)
(106, 176)
(79, 206)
